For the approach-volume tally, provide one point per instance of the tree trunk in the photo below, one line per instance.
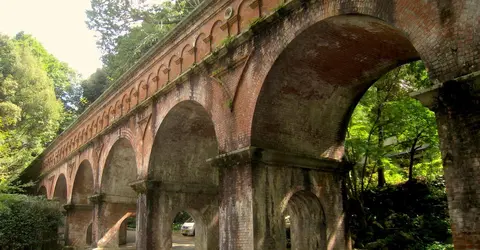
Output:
(381, 177)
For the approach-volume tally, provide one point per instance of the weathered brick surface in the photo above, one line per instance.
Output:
(288, 82)
(458, 116)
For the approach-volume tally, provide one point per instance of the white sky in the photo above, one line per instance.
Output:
(59, 25)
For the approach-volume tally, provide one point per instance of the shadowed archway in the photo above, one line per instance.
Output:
(118, 198)
(80, 213)
(185, 140)
(302, 112)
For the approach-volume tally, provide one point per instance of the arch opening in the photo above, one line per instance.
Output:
(304, 222)
(81, 213)
(60, 193)
(42, 191)
(314, 84)
(83, 184)
(119, 199)
(183, 143)
(183, 231)
(127, 232)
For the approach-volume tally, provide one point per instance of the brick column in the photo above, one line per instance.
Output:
(96, 200)
(457, 107)
(236, 200)
(260, 187)
(79, 217)
(144, 190)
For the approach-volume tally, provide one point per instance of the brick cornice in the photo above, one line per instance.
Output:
(272, 157)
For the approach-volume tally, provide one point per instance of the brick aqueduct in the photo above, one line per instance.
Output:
(239, 117)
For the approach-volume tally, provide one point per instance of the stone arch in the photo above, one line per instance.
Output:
(186, 128)
(162, 76)
(88, 133)
(142, 90)
(184, 141)
(125, 105)
(133, 98)
(188, 57)
(119, 171)
(81, 212)
(106, 120)
(306, 215)
(308, 97)
(152, 85)
(173, 68)
(246, 14)
(42, 190)
(111, 114)
(83, 184)
(269, 6)
(202, 47)
(201, 227)
(118, 109)
(217, 34)
(60, 189)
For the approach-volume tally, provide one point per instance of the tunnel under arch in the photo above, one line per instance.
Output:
(184, 141)
(80, 214)
(118, 197)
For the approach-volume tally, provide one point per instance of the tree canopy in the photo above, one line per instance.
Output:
(38, 98)
(127, 30)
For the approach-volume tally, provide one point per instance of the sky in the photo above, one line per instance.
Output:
(59, 25)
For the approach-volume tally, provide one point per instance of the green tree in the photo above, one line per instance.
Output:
(65, 79)
(30, 112)
(126, 30)
(385, 126)
(93, 87)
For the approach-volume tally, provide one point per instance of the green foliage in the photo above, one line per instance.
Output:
(411, 215)
(30, 112)
(227, 41)
(93, 87)
(129, 30)
(28, 222)
(65, 79)
(392, 139)
(392, 133)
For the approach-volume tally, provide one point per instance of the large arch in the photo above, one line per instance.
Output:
(81, 212)
(302, 112)
(316, 81)
(60, 191)
(60, 195)
(83, 184)
(178, 161)
(118, 198)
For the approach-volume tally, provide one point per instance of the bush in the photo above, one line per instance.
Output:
(411, 215)
(28, 222)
